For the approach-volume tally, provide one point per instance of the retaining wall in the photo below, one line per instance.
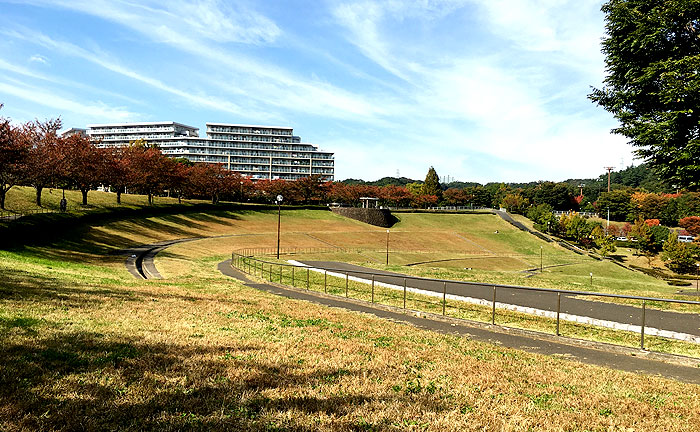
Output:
(372, 216)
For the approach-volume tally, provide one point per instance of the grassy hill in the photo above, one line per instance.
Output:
(86, 346)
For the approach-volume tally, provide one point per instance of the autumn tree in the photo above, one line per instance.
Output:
(46, 161)
(84, 164)
(690, 224)
(309, 188)
(118, 170)
(604, 242)
(14, 151)
(397, 196)
(150, 170)
(457, 196)
(514, 202)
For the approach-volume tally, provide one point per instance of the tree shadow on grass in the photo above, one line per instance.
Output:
(92, 381)
(45, 288)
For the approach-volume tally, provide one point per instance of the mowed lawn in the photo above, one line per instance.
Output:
(87, 347)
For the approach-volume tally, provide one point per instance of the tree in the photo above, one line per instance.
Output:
(45, 161)
(514, 203)
(690, 224)
(604, 242)
(679, 257)
(653, 88)
(558, 195)
(543, 217)
(150, 170)
(14, 151)
(84, 164)
(619, 203)
(457, 197)
(646, 243)
(432, 184)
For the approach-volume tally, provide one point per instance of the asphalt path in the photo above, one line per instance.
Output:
(544, 300)
(610, 356)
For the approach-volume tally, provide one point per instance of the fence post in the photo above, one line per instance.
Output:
(307, 278)
(444, 297)
(325, 281)
(280, 273)
(404, 293)
(558, 310)
(493, 309)
(372, 288)
(347, 276)
(644, 310)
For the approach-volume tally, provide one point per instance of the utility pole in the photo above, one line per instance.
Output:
(609, 170)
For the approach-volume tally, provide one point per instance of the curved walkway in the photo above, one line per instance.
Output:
(139, 261)
(682, 326)
(611, 356)
(140, 264)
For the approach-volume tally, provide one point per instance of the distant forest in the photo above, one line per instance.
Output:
(639, 177)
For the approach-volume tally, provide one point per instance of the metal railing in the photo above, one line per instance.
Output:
(11, 216)
(295, 274)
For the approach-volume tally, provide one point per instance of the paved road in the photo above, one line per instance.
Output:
(626, 359)
(139, 261)
(671, 321)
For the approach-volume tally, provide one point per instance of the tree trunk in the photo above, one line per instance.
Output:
(3, 191)
(38, 194)
(150, 198)
(179, 198)
(85, 193)
(119, 196)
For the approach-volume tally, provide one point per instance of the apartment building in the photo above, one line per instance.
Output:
(259, 152)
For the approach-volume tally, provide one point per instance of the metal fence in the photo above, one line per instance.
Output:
(492, 295)
(6, 215)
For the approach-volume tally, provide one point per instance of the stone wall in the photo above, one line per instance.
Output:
(372, 216)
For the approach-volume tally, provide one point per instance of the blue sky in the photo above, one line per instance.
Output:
(483, 90)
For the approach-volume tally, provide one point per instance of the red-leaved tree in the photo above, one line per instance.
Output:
(84, 164)
(690, 224)
(45, 163)
(14, 151)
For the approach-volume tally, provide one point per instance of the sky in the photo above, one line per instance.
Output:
(482, 90)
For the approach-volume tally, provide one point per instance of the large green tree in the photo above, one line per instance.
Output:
(652, 58)
(431, 186)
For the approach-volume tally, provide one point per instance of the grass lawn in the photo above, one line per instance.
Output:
(85, 346)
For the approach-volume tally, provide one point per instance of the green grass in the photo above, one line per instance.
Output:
(87, 346)
(303, 278)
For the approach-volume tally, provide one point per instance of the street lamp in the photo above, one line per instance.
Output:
(387, 247)
(279, 218)
(541, 259)
(697, 271)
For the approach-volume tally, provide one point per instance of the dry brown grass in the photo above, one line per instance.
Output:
(86, 347)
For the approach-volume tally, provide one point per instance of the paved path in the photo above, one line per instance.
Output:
(685, 326)
(139, 261)
(626, 359)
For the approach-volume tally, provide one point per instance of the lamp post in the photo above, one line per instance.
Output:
(279, 218)
(387, 247)
(241, 198)
(541, 267)
(697, 272)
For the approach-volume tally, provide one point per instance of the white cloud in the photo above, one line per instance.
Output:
(90, 110)
(38, 59)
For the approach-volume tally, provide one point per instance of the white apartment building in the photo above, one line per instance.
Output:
(259, 152)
